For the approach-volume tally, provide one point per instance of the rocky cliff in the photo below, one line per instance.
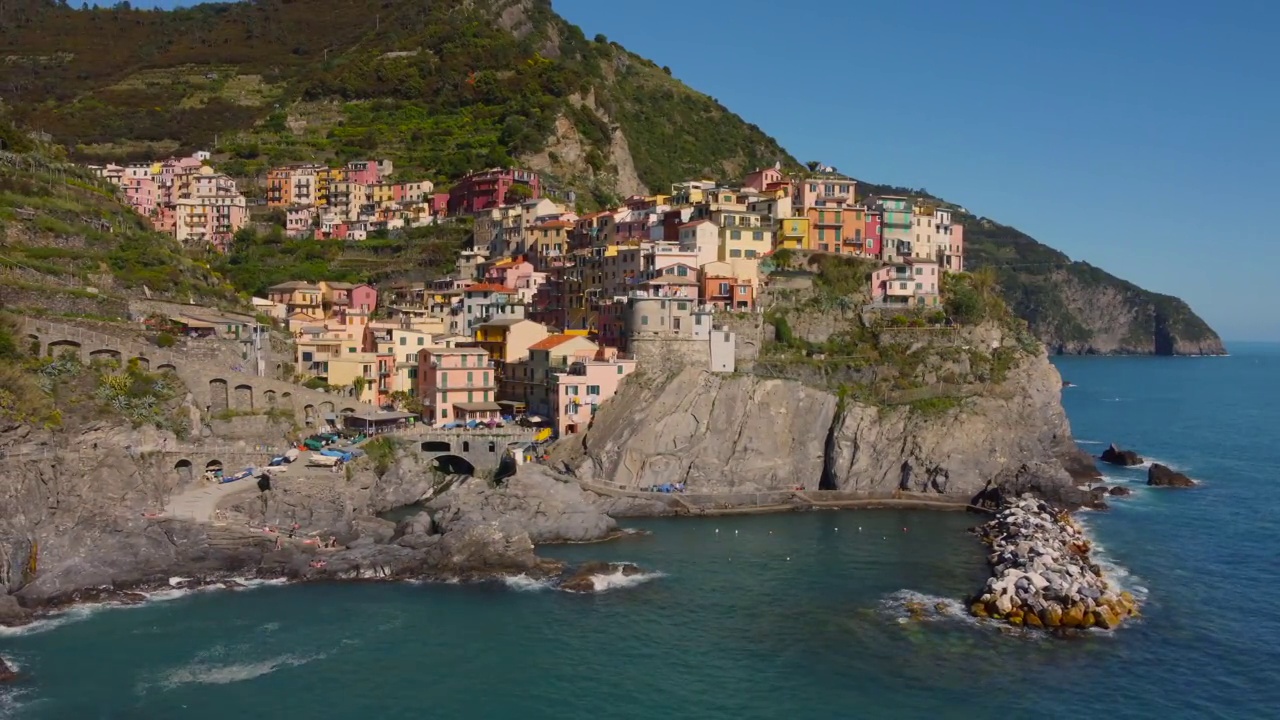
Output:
(81, 522)
(745, 433)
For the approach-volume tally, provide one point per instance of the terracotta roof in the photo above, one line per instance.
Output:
(554, 224)
(552, 342)
(488, 287)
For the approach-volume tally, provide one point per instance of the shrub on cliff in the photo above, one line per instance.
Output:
(382, 453)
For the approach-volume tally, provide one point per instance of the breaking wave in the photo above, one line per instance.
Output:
(909, 605)
(1115, 574)
(524, 583)
(77, 613)
(605, 582)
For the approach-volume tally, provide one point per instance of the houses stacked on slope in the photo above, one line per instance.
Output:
(184, 197)
(349, 202)
(549, 309)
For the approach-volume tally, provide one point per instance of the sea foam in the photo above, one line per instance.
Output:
(605, 582)
(1115, 574)
(200, 673)
(524, 583)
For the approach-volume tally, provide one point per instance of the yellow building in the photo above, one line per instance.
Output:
(509, 340)
(384, 193)
(344, 370)
(792, 233)
(326, 179)
(742, 236)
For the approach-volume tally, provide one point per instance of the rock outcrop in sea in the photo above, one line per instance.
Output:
(1163, 476)
(1042, 573)
(7, 674)
(1113, 455)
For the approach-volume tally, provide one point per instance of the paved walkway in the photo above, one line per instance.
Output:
(199, 502)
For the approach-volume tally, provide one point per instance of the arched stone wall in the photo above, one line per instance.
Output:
(242, 398)
(104, 354)
(57, 347)
(218, 397)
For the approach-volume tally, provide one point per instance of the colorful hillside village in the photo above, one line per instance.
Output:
(548, 309)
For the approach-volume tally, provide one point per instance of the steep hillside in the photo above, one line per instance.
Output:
(1073, 307)
(1076, 308)
(442, 87)
(68, 247)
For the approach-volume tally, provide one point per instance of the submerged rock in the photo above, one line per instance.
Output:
(1161, 476)
(7, 674)
(1123, 458)
(583, 579)
(11, 613)
(1119, 491)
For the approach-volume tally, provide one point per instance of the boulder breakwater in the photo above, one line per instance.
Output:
(1042, 574)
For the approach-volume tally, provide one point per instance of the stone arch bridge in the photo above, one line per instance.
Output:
(215, 388)
(482, 450)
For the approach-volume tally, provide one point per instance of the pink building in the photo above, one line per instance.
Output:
(297, 221)
(491, 188)
(873, 233)
(580, 391)
(363, 172)
(508, 273)
(457, 385)
(364, 298)
(910, 283)
(763, 179)
(955, 258)
(827, 189)
(142, 195)
(166, 219)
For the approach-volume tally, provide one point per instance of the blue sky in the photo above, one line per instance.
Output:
(1122, 133)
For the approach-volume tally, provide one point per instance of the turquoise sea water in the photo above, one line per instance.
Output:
(797, 616)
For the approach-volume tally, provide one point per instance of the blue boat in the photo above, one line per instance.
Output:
(243, 474)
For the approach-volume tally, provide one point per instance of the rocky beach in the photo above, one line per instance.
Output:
(1042, 573)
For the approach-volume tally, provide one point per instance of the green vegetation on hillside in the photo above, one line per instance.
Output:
(259, 260)
(442, 88)
(676, 133)
(51, 391)
(64, 234)
(925, 359)
(1052, 292)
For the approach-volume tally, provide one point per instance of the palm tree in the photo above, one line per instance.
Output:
(985, 281)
